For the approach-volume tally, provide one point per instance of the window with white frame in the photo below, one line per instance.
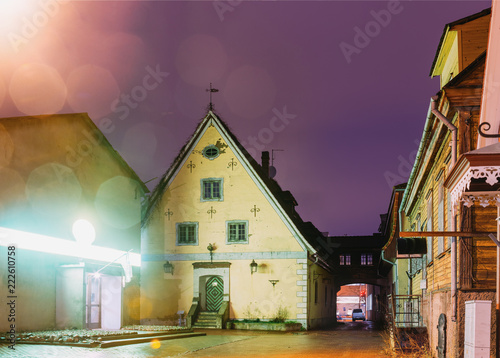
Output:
(212, 189)
(237, 232)
(186, 233)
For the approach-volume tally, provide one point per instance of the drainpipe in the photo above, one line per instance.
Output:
(453, 255)
(394, 265)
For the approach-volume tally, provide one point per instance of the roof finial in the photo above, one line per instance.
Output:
(211, 90)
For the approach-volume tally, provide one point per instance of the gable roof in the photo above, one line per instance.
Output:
(308, 236)
(86, 121)
(450, 27)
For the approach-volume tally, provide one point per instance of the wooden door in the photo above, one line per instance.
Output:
(215, 293)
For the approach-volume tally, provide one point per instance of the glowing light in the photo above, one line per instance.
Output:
(84, 232)
(155, 344)
(97, 275)
(52, 245)
(12, 11)
(37, 88)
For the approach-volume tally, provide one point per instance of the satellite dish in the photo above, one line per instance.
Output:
(272, 172)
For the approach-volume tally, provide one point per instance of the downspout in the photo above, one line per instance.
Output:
(394, 265)
(453, 255)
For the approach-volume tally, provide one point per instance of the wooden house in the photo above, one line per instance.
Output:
(57, 170)
(222, 241)
(460, 267)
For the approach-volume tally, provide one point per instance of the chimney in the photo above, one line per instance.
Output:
(265, 163)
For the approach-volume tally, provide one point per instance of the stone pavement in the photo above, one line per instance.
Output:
(340, 342)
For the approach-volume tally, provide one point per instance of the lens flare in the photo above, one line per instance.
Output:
(155, 344)
(83, 231)
(118, 202)
(37, 88)
(53, 190)
(92, 89)
(12, 14)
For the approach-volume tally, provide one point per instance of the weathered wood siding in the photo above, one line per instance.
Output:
(473, 39)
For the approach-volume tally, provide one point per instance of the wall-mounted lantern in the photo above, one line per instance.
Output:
(274, 282)
(168, 268)
(253, 267)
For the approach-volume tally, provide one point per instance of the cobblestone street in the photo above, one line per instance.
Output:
(355, 339)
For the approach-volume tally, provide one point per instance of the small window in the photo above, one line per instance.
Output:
(211, 189)
(237, 232)
(211, 152)
(366, 259)
(345, 260)
(187, 233)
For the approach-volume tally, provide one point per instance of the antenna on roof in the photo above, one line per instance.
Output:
(211, 90)
(272, 168)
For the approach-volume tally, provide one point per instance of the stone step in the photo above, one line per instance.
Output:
(164, 337)
(206, 319)
(204, 323)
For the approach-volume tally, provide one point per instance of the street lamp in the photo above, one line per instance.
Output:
(253, 267)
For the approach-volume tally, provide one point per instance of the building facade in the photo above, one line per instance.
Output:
(221, 238)
(455, 268)
(58, 170)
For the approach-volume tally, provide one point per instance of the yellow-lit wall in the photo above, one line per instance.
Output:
(270, 242)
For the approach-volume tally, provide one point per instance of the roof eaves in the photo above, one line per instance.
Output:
(449, 27)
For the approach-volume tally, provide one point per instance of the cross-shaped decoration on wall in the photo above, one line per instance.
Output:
(191, 166)
(232, 164)
(255, 210)
(212, 211)
(169, 213)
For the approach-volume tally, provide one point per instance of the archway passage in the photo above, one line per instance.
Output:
(215, 293)
(359, 302)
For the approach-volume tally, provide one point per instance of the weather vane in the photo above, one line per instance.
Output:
(211, 90)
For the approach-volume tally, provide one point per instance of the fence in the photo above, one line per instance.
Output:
(404, 310)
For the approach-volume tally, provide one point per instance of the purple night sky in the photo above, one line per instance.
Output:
(354, 121)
